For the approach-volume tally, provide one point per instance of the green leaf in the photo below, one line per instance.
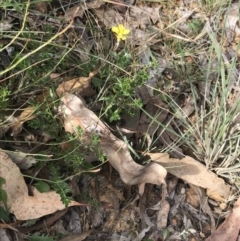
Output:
(3, 194)
(4, 214)
(42, 186)
(35, 237)
(165, 233)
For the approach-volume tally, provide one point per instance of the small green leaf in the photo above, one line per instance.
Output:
(42, 186)
(3, 194)
(4, 214)
(35, 237)
(165, 233)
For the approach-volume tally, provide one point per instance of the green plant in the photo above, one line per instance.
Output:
(214, 5)
(213, 134)
(118, 88)
(45, 119)
(4, 97)
(3, 194)
(35, 237)
(59, 185)
(195, 25)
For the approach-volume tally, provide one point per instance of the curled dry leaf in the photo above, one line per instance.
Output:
(195, 173)
(196, 196)
(16, 123)
(22, 160)
(27, 114)
(229, 230)
(76, 114)
(19, 203)
(81, 83)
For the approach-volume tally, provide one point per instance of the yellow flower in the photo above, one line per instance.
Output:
(120, 31)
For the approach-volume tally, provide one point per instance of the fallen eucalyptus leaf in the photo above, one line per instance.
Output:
(76, 114)
(194, 172)
(19, 203)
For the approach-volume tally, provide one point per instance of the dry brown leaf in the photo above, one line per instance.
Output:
(43, 96)
(77, 237)
(81, 83)
(196, 196)
(23, 160)
(16, 123)
(19, 203)
(188, 108)
(162, 217)
(41, 6)
(109, 17)
(195, 173)
(81, 8)
(143, 16)
(27, 114)
(228, 231)
(77, 115)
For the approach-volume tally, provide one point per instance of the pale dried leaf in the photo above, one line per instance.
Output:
(22, 205)
(229, 230)
(188, 108)
(27, 114)
(232, 18)
(15, 185)
(27, 207)
(77, 115)
(22, 160)
(14, 125)
(162, 217)
(195, 173)
(4, 26)
(4, 235)
(80, 84)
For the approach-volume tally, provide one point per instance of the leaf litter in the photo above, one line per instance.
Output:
(19, 202)
(197, 184)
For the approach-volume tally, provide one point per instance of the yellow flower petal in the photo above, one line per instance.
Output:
(120, 32)
(115, 29)
(121, 27)
(126, 31)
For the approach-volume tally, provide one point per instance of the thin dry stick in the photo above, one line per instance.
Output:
(40, 47)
